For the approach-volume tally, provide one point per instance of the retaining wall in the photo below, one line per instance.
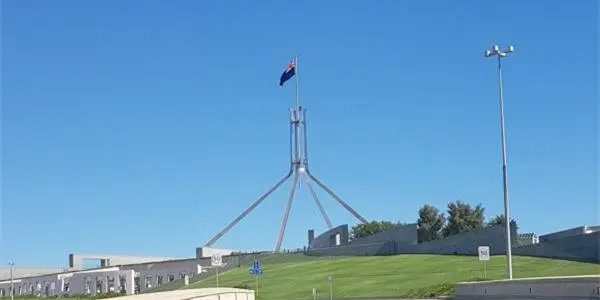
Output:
(465, 244)
(575, 287)
(583, 247)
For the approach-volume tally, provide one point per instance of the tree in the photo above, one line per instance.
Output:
(501, 219)
(430, 223)
(367, 229)
(462, 218)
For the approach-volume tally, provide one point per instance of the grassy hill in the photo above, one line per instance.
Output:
(294, 276)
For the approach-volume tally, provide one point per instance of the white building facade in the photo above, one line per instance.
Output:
(126, 280)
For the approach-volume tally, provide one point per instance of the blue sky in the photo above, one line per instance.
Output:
(144, 127)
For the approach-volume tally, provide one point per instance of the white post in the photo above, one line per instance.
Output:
(12, 285)
(257, 285)
(484, 270)
(330, 287)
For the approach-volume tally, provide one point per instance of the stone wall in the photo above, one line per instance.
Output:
(583, 247)
(405, 235)
(327, 238)
(571, 244)
(464, 244)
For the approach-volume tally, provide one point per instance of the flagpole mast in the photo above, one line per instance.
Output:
(297, 86)
(298, 160)
(298, 168)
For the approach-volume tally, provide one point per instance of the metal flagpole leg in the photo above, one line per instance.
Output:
(321, 209)
(248, 210)
(305, 136)
(286, 214)
(334, 196)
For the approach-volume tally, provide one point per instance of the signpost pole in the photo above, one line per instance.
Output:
(330, 278)
(216, 261)
(256, 271)
(484, 270)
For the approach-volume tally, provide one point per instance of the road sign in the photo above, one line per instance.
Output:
(256, 269)
(216, 260)
(484, 253)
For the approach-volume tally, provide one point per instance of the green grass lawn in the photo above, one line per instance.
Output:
(294, 276)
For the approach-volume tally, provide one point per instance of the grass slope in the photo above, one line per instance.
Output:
(294, 276)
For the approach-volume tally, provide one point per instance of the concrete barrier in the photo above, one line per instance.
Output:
(571, 287)
(196, 294)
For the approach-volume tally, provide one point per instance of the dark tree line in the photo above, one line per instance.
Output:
(433, 224)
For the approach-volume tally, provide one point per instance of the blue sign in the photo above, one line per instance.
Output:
(256, 269)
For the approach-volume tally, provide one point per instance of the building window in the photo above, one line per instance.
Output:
(110, 283)
(99, 288)
(159, 280)
(65, 285)
(171, 277)
(148, 282)
(182, 275)
(122, 284)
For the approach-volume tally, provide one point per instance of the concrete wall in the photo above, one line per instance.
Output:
(381, 248)
(465, 244)
(563, 245)
(563, 234)
(76, 259)
(584, 247)
(327, 238)
(202, 252)
(576, 287)
(405, 235)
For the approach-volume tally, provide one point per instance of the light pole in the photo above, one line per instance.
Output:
(12, 285)
(495, 51)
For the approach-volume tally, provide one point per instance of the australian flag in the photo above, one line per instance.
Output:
(289, 72)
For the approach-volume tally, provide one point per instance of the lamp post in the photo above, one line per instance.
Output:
(495, 51)
(12, 285)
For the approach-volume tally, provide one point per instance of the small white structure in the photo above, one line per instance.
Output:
(525, 239)
(203, 252)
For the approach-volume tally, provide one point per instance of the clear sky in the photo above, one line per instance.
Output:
(144, 127)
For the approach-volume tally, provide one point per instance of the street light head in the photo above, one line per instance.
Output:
(496, 48)
(488, 53)
(502, 54)
(510, 49)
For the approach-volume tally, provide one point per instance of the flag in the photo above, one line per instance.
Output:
(288, 73)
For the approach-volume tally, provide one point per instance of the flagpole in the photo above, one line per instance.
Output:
(297, 87)
(297, 114)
